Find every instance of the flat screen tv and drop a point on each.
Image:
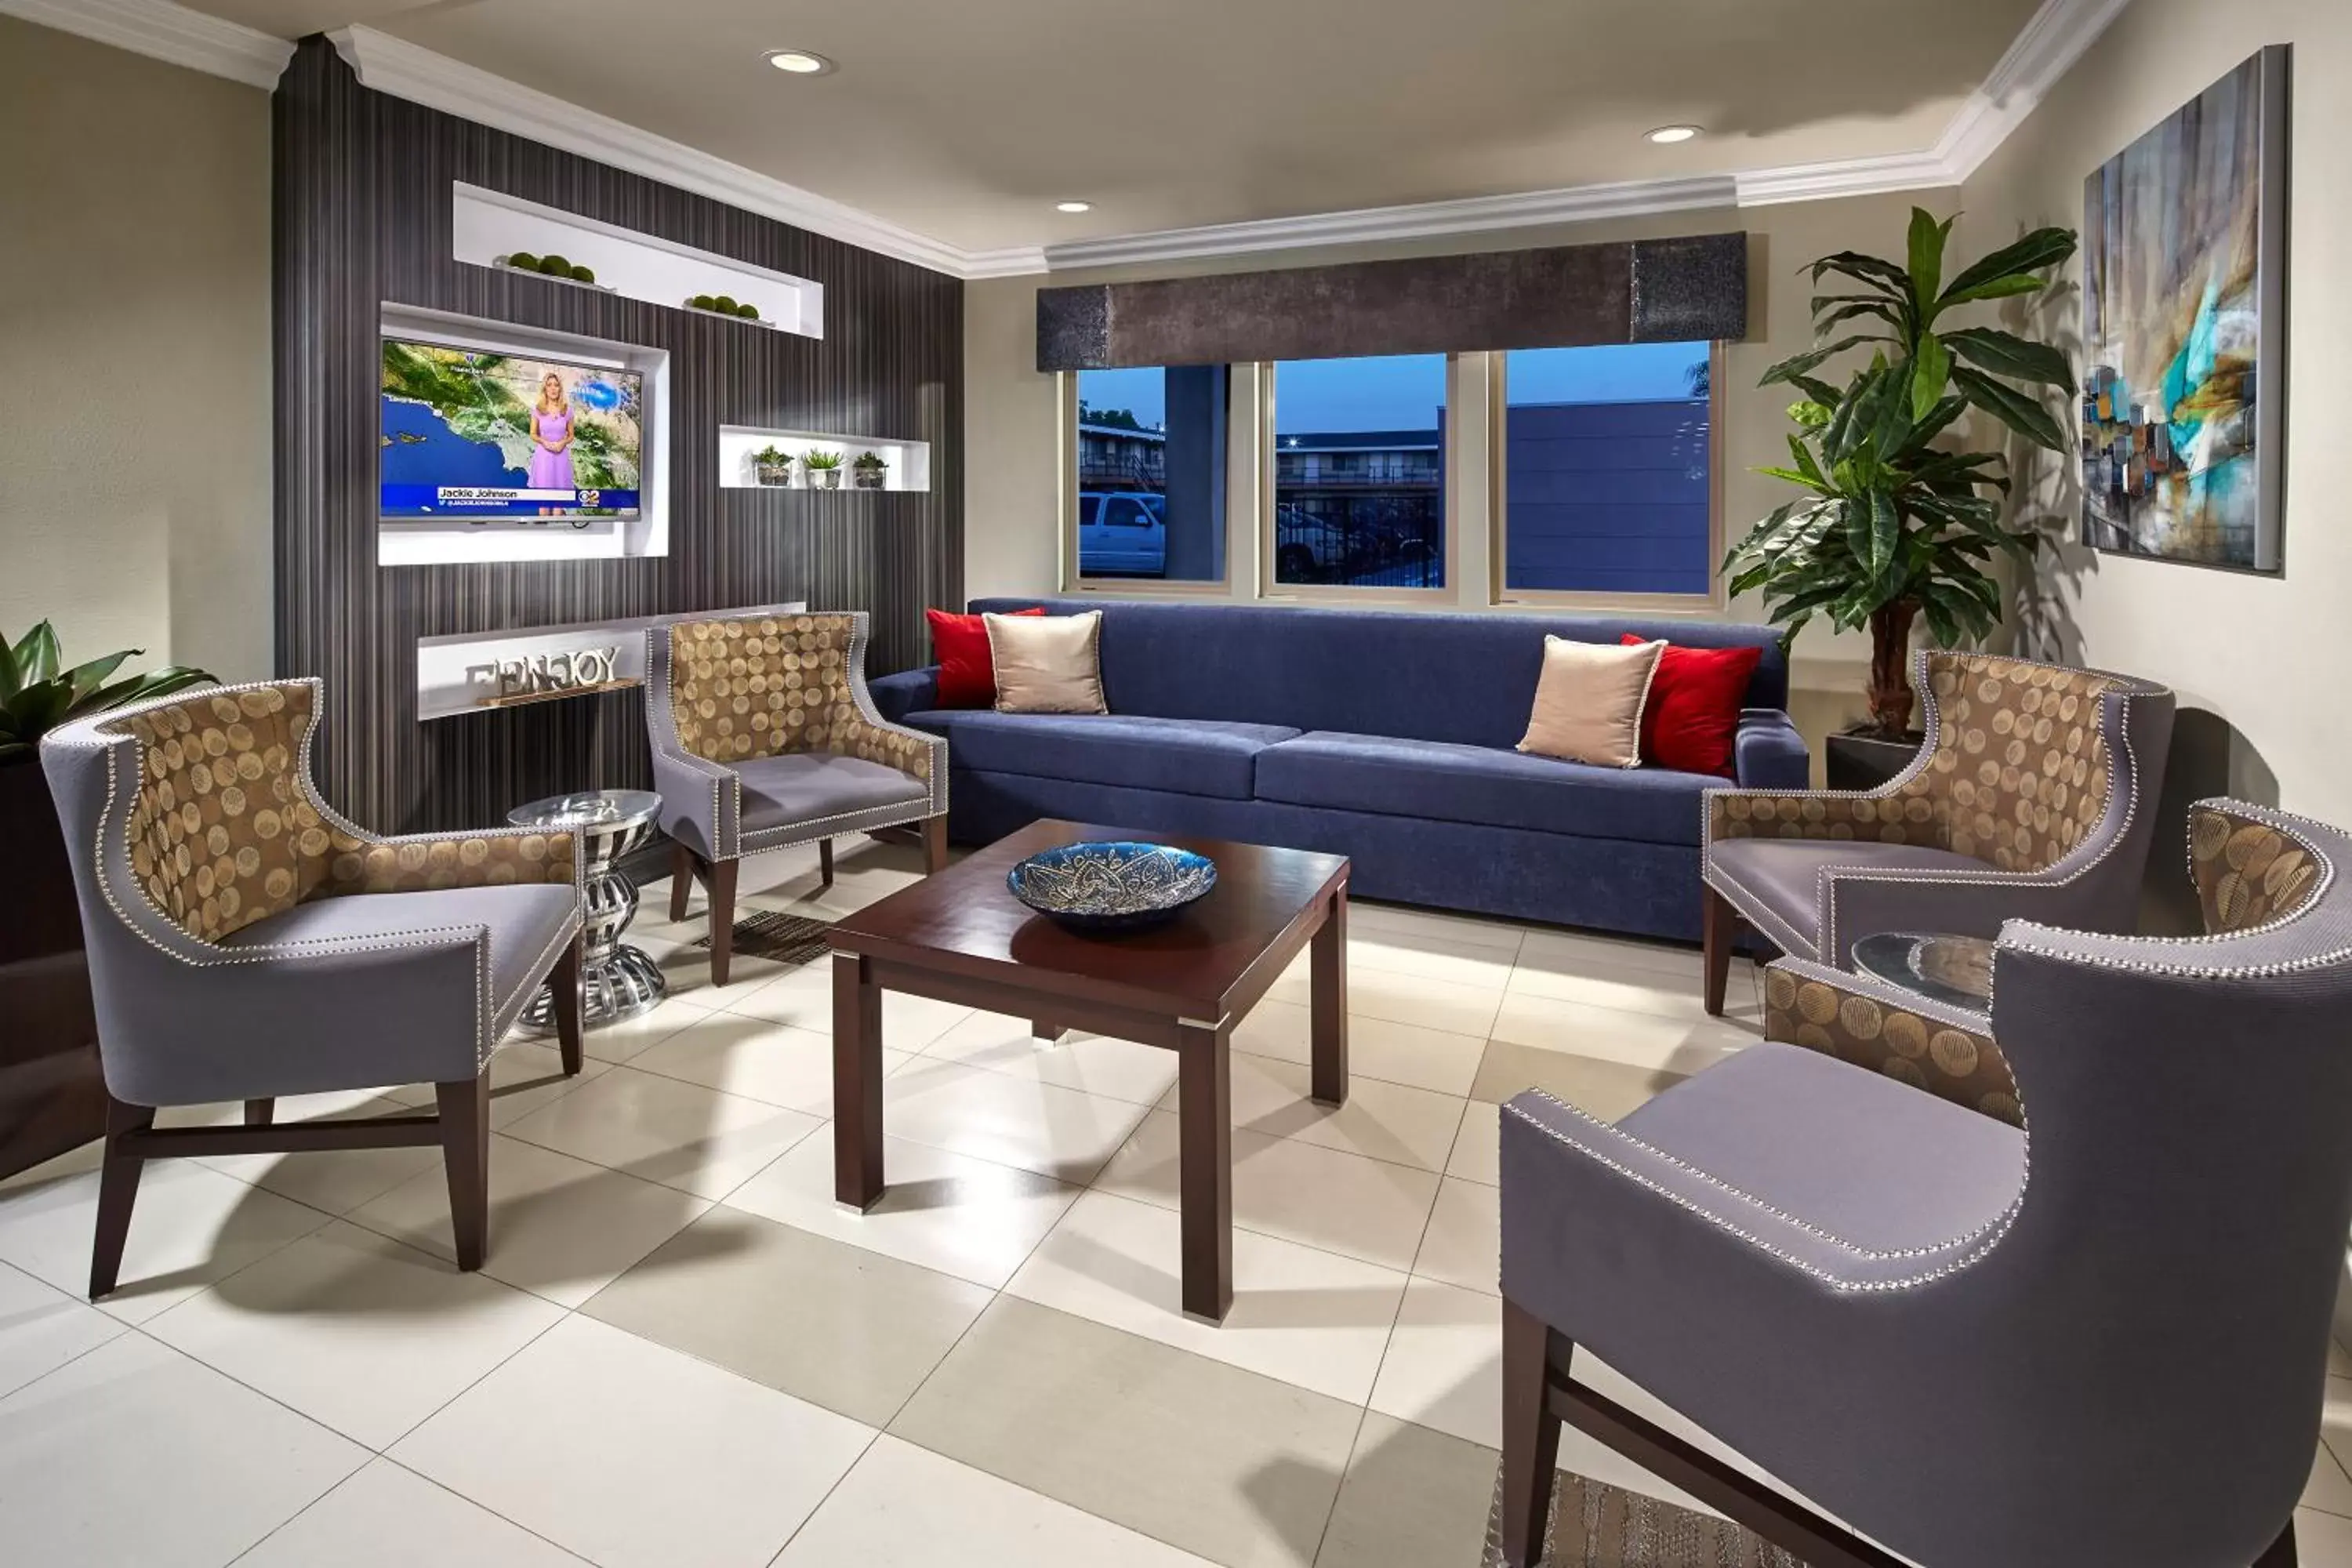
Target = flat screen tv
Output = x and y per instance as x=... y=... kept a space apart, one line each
x=482 y=438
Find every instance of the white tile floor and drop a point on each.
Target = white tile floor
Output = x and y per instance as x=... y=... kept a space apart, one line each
x=682 y=1353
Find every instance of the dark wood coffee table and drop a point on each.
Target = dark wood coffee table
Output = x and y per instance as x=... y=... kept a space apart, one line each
x=958 y=935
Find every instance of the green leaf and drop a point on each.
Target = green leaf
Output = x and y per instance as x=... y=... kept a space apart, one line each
x=1930 y=373
x=1795 y=477
x=1868 y=270
x=1937 y=420
x=84 y=678
x=1803 y=456
x=1927 y=252
x=2011 y=408
x=1882 y=309
x=1819 y=391
x=1788 y=369
x=10 y=680
x=2044 y=248
x=2006 y=354
x=1891 y=411
x=139 y=688
x=36 y=655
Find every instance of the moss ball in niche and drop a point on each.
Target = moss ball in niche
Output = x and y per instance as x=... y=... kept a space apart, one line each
x=725 y=303
x=555 y=265
x=523 y=260
x=748 y=312
x=702 y=302
x=583 y=274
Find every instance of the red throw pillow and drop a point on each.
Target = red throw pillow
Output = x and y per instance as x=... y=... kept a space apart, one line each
x=966 y=672
x=1693 y=713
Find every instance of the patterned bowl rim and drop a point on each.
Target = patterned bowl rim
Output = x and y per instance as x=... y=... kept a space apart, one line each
x=1193 y=860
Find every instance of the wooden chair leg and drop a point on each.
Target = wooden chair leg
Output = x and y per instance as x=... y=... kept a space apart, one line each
x=720 y=879
x=1530 y=1435
x=825 y=861
x=566 y=979
x=1718 y=928
x=681 y=879
x=118 y=1187
x=935 y=844
x=261 y=1112
x=2281 y=1551
x=465 y=1106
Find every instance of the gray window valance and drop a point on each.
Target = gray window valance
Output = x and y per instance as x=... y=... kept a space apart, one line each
x=1628 y=291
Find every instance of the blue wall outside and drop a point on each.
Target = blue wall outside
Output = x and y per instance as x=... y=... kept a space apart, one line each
x=1609 y=498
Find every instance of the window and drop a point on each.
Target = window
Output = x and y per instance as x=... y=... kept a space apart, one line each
x=1150 y=494
x=1359 y=476
x=1604 y=470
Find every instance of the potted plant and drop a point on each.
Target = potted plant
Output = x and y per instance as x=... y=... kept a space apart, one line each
x=773 y=465
x=869 y=471
x=50 y=1094
x=1893 y=526
x=823 y=468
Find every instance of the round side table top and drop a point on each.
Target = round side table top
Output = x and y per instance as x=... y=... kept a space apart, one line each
x=1957 y=970
x=594 y=808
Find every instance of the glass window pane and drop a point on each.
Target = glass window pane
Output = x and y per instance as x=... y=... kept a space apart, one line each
x=1359 y=471
x=1606 y=474
x=1152 y=474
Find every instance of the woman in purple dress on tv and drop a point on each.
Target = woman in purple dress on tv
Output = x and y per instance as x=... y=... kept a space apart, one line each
x=551 y=442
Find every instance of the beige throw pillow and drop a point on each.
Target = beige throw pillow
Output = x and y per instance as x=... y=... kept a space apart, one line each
x=1047 y=664
x=1588 y=702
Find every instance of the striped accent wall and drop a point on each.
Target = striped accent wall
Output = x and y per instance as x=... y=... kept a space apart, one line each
x=362 y=215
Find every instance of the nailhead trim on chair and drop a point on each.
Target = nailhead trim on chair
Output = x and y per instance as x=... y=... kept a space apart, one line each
x=1992 y=1233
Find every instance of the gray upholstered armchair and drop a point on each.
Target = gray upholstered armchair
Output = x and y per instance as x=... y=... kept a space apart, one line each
x=1854 y=1285
x=247 y=943
x=2031 y=799
x=763 y=736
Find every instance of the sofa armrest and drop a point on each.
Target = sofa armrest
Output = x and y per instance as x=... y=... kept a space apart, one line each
x=1769 y=753
x=908 y=691
x=1948 y=1051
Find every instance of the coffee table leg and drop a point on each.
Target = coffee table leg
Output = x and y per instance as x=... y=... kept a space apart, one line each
x=857 y=1083
x=1328 y=994
x=1040 y=1030
x=1205 y=1172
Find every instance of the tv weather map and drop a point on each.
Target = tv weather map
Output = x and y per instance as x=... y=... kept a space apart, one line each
x=483 y=437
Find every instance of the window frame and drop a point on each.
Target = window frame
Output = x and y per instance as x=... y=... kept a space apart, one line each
x=1498 y=511
x=1074 y=581
x=1446 y=595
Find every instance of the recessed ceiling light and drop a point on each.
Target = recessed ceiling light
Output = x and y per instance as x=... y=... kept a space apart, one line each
x=1074 y=206
x=1665 y=135
x=800 y=62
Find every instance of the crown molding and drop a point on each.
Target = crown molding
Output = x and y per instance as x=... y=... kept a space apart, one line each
x=2051 y=41
x=163 y=31
x=395 y=66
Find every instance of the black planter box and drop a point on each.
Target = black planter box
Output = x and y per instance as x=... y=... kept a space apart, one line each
x=1865 y=762
x=51 y=1097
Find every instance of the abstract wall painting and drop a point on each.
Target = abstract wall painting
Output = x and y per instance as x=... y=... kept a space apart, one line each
x=2184 y=312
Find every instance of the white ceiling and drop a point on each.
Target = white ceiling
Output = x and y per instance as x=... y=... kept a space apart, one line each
x=965 y=121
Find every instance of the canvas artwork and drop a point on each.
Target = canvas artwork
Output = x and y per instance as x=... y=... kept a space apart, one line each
x=2183 y=312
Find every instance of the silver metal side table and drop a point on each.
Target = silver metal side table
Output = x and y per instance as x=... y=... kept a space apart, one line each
x=617 y=981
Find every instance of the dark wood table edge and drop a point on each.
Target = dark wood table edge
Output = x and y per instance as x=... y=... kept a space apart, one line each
x=864 y=970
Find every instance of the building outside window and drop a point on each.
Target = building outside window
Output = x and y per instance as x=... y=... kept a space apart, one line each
x=1150 y=496
x=1359 y=472
x=1605 y=470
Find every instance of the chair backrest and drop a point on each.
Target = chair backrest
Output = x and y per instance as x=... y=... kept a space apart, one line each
x=2189 y=1108
x=731 y=689
x=2023 y=761
x=222 y=832
x=1465 y=679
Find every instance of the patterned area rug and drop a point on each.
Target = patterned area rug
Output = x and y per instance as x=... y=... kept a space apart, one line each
x=787 y=938
x=1598 y=1526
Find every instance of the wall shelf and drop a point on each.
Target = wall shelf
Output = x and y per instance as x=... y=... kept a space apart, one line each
x=458 y=674
x=487 y=225
x=910 y=461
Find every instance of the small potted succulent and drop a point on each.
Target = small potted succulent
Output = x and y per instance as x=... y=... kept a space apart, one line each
x=773 y=465
x=824 y=469
x=869 y=471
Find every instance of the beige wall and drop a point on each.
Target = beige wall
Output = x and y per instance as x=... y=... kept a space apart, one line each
x=2259 y=662
x=1012 y=419
x=134 y=354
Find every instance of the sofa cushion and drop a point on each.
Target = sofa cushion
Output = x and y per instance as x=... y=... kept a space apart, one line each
x=1191 y=756
x=1483 y=784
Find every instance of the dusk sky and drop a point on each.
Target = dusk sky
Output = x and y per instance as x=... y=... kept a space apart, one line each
x=1403 y=392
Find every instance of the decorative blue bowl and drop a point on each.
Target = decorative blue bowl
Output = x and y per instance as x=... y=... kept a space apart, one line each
x=1112 y=886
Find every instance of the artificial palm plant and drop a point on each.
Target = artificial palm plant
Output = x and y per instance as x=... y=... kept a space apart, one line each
x=1893 y=526
x=35 y=696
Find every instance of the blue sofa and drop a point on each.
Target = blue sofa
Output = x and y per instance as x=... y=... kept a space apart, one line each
x=1383 y=736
